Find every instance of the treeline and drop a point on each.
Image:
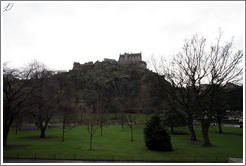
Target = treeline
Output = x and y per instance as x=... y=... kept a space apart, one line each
x=85 y=96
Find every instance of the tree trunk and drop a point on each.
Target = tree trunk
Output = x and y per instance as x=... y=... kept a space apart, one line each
x=220 y=127
x=101 y=126
x=5 y=135
x=6 y=127
x=43 y=128
x=63 y=130
x=131 y=132
x=16 y=129
x=206 y=141
x=192 y=131
x=42 y=135
x=91 y=139
x=172 y=129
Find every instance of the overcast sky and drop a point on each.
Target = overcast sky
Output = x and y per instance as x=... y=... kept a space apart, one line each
x=60 y=33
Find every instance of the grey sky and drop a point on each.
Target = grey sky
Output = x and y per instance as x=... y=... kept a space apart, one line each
x=60 y=33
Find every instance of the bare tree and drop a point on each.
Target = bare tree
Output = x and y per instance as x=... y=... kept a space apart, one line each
x=43 y=98
x=178 y=92
x=101 y=103
x=223 y=71
x=15 y=93
x=89 y=114
x=90 y=119
x=205 y=74
x=131 y=115
x=102 y=115
x=130 y=119
x=66 y=105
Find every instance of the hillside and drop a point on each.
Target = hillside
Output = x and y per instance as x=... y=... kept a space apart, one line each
x=126 y=86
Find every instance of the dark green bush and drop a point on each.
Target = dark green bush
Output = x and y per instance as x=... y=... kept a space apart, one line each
x=156 y=136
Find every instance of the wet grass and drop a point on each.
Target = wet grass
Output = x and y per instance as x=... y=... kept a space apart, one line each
x=115 y=144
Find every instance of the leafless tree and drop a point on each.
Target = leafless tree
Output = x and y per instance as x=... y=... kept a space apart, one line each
x=101 y=104
x=66 y=102
x=43 y=98
x=131 y=115
x=102 y=115
x=204 y=74
x=177 y=93
x=89 y=114
x=130 y=121
x=90 y=120
x=15 y=92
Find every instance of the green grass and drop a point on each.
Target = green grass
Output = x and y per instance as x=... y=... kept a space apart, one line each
x=115 y=144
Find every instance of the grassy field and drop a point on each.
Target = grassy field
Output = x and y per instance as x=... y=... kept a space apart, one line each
x=115 y=144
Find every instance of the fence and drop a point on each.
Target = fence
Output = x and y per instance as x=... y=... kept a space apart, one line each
x=140 y=158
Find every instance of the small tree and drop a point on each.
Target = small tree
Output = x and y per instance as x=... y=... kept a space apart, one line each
x=131 y=116
x=130 y=121
x=65 y=100
x=101 y=103
x=89 y=113
x=156 y=136
x=91 y=122
x=102 y=118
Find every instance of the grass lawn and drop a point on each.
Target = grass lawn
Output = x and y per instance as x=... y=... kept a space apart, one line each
x=115 y=144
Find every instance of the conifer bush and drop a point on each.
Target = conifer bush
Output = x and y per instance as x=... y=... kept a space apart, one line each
x=156 y=136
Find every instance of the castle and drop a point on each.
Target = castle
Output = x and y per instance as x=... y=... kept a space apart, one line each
x=135 y=59
x=126 y=58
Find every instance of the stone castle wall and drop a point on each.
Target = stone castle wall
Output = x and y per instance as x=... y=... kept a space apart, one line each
x=126 y=58
x=130 y=58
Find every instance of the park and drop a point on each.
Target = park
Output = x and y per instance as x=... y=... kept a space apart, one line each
x=115 y=145
x=100 y=102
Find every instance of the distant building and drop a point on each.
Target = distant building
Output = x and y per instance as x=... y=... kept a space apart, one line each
x=126 y=58
x=76 y=66
x=136 y=59
x=110 y=60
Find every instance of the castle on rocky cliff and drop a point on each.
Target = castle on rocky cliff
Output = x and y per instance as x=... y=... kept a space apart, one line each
x=134 y=59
